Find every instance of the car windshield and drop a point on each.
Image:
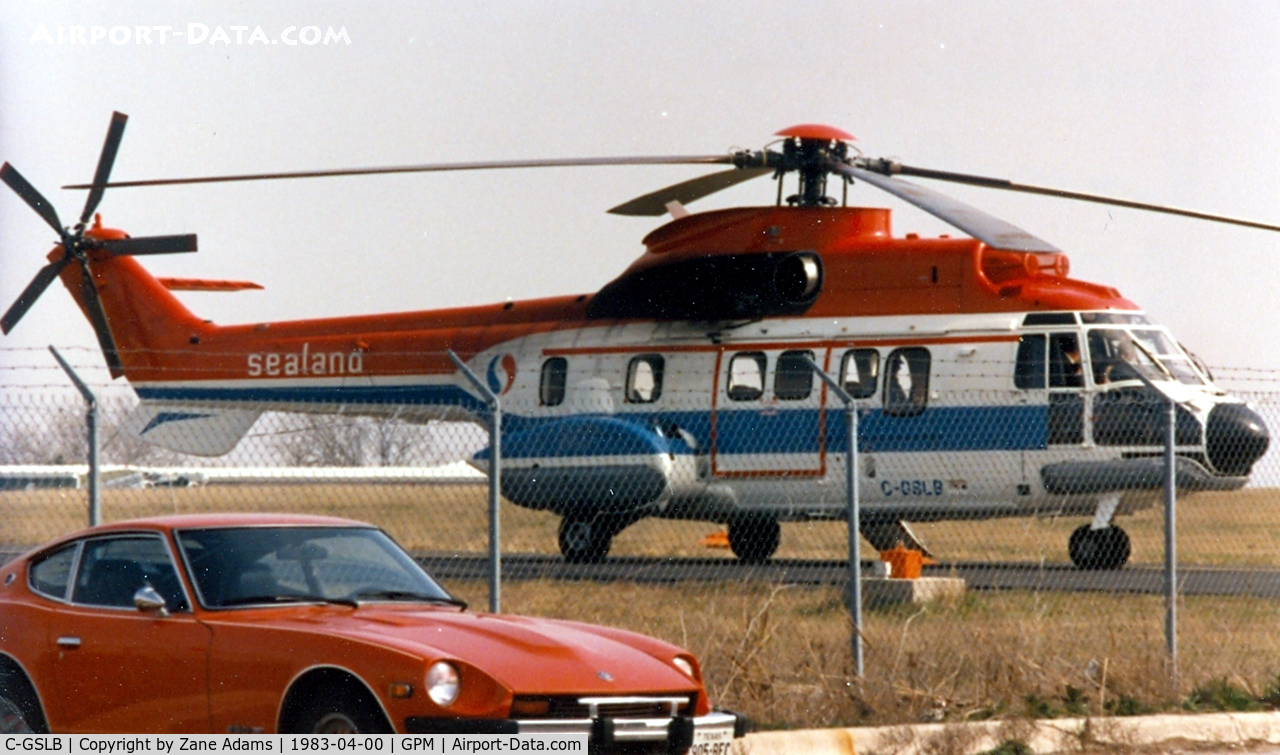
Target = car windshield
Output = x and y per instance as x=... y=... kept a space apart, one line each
x=239 y=566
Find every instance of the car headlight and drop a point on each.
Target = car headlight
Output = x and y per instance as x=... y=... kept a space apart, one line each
x=443 y=683
x=685 y=666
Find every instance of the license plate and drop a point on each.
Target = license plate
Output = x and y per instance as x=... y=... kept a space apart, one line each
x=712 y=742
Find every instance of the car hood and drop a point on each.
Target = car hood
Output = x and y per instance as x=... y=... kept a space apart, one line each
x=524 y=654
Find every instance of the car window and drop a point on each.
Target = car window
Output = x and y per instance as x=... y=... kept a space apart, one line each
x=113 y=569
x=793 y=380
x=644 y=379
x=51 y=575
x=746 y=376
x=261 y=565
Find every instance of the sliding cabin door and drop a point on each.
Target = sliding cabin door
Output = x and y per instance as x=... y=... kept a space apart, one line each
x=767 y=416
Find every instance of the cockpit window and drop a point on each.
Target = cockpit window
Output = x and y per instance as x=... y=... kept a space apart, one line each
x=1065 y=367
x=1114 y=318
x=1170 y=355
x=1118 y=354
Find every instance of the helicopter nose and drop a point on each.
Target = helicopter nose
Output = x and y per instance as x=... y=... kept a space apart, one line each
x=1235 y=437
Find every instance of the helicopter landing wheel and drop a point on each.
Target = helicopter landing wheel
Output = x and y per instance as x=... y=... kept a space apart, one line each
x=1091 y=549
x=585 y=540
x=753 y=539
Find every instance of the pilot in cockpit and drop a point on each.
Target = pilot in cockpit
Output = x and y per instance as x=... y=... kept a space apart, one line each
x=1114 y=356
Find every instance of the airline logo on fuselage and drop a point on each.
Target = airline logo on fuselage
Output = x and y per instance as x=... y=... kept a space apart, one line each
x=305 y=362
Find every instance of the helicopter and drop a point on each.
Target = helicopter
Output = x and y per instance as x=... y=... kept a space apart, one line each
x=988 y=382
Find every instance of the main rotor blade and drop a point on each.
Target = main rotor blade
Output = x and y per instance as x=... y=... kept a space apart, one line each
x=24 y=189
x=655 y=203
x=149 y=244
x=428 y=168
x=98 y=318
x=988 y=229
x=32 y=292
x=889 y=168
x=107 y=159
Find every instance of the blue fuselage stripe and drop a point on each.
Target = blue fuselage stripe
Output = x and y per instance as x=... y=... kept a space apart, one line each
x=771 y=430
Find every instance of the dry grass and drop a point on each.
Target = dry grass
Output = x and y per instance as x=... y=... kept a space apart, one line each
x=782 y=654
x=1238 y=529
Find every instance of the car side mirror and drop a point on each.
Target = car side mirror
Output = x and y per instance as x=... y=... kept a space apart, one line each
x=148 y=600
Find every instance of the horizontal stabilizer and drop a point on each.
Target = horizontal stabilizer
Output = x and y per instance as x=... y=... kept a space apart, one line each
x=190 y=430
x=203 y=284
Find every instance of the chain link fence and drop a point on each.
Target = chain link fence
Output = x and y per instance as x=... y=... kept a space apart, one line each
x=643 y=505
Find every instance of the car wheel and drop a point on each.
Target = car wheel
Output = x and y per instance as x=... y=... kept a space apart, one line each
x=339 y=710
x=19 y=711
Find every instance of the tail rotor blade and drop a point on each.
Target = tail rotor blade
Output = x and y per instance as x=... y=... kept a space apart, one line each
x=115 y=132
x=31 y=196
x=150 y=245
x=31 y=293
x=98 y=318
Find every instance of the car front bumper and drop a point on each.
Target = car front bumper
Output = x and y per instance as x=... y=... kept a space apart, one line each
x=704 y=735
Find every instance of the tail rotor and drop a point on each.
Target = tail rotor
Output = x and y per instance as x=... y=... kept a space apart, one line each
x=84 y=248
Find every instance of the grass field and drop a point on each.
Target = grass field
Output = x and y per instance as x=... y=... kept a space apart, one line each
x=781 y=654
x=1237 y=529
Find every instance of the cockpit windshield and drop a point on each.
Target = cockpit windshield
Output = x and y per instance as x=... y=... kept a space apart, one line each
x=1123 y=354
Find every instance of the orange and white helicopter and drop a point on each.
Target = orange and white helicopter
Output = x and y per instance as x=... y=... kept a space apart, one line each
x=989 y=382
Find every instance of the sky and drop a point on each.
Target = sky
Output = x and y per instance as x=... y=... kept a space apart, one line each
x=1175 y=103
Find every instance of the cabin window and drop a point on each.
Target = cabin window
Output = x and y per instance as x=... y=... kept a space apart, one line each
x=906 y=386
x=554 y=373
x=1028 y=373
x=51 y=574
x=794 y=378
x=746 y=376
x=644 y=379
x=859 y=372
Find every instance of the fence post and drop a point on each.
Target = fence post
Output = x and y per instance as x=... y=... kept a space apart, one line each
x=91 y=426
x=852 y=503
x=1171 y=544
x=495 y=483
x=1170 y=525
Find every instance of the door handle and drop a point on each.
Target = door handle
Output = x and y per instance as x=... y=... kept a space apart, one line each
x=68 y=642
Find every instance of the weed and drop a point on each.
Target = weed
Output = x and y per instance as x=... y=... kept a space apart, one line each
x=1127 y=705
x=1075 y=702
x=1220 y=694
x=1038 y=707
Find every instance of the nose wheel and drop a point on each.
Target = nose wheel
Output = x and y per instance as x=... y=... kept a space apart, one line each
x=1106 y=548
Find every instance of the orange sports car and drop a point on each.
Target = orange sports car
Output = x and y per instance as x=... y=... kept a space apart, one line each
x=266 y=623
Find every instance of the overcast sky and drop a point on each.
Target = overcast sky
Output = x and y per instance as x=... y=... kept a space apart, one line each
x=1175 y=103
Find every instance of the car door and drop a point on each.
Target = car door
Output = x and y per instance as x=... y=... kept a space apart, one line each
x=118 y=668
